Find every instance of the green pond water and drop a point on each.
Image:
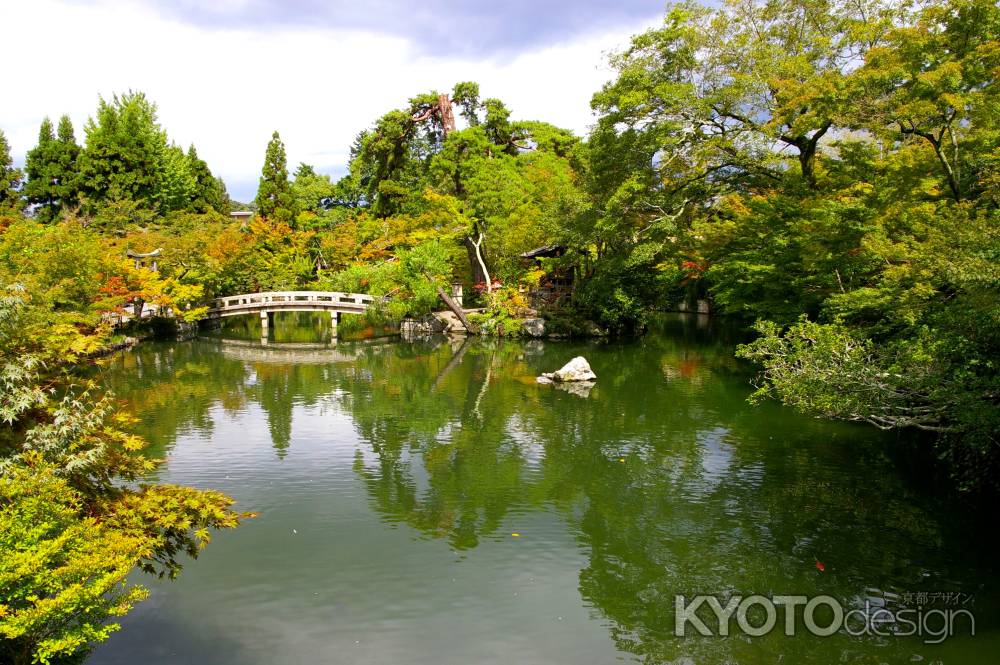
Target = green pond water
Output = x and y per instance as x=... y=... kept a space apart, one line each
x=391 y=477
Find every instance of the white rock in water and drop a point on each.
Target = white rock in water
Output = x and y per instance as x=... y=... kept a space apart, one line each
x=577 y=369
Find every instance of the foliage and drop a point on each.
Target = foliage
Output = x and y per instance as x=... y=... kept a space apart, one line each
x=271 y=257
x=505 y=309
x=511 y=186
x=10 y=179
x=127 y=283
x=208 y=191
x=129 y=163
x=832 y=160
x=425 y=269
x=62 y=573
x=125 y=153
x=51 y=169
x=409 y=281
x=275 y=200
x=932 y=81
x=314 y=192
x=57 y=268
x=823 y=369
x=75 y=514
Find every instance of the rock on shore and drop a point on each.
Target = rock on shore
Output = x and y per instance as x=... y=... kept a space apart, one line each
x=534 y=327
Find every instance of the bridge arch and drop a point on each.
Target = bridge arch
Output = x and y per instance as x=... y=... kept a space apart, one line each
x=266 y=303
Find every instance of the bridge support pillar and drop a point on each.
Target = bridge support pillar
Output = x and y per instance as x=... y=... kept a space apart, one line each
x=334 y=323
x=265 y=324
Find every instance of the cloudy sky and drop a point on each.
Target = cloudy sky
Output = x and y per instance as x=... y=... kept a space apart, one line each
x=226 y=73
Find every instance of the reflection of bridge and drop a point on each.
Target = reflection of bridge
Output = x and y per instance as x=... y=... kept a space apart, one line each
x=266 y=304
x=299 y=354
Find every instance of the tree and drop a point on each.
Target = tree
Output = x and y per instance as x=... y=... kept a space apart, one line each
x=62 y=575
x=128 y=163
x=722 y=100
x=128 y=285
x=498 y=126
x=390 y=161
x=65 y=132
x=466 y=95
x=75 y=516
x=68 y=156
x=37 y=189
x=209 y=192
x=10 y=179
x=125 y=154
x=275 y=199
x=827 y=160
x=710 y=111
x=177 y=187
x=313 y=192
x=932 y=80
x=51 y=168
x=512 y=185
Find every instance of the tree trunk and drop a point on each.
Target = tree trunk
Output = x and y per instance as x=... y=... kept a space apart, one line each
x=480 y=273
x=456 y=358
x=453 y=306
x=447 y=114
x=806 y=155
x=806 y=145
x=949 y=171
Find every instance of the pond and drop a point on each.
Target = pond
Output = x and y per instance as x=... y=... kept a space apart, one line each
x=428 y=502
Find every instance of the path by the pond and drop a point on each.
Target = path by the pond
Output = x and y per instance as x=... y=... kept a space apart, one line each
x=420 y=506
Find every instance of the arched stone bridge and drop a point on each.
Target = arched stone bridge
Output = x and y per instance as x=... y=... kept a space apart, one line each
x=267 y=303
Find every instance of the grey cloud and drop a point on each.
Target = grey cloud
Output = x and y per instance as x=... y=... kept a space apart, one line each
x=481 y=29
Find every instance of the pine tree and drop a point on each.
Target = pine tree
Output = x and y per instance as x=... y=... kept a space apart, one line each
x=68 y=189
x=313 y=192
x=37 y=168
x=176 y=189
x=209 y=192
x=51 y=170
x=275 y=200
x=10 y=179
x=45 y=133
x=65 y=132
x=126 y=153
x=225 y=202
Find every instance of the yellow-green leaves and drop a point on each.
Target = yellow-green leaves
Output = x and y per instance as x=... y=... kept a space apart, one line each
x=62 y=575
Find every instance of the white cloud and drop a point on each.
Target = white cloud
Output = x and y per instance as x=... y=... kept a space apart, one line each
x=227 y=90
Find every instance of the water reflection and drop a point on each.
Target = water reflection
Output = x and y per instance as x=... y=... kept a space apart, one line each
x=668 y=481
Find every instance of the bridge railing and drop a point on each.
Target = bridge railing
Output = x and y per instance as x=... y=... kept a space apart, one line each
x=291 y=298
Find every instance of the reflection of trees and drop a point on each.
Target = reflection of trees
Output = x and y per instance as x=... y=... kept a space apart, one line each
x=300 y=327
x=673 y=483
x=173 y=387
x=288 y=327
x=443 y=423
x=276 y=390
